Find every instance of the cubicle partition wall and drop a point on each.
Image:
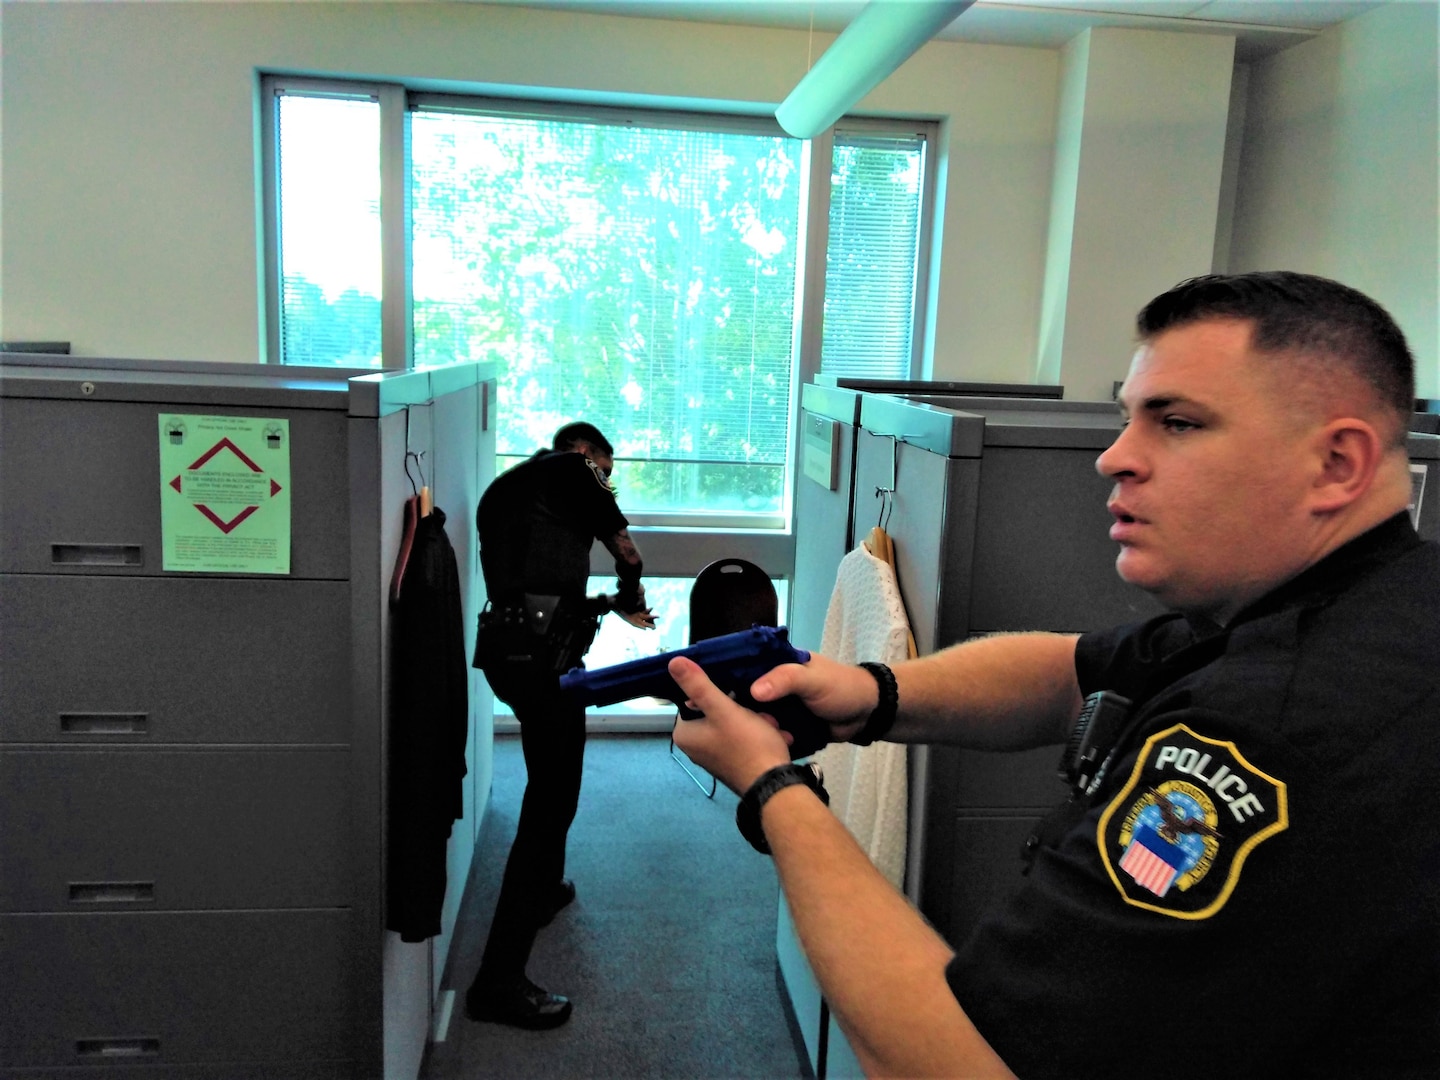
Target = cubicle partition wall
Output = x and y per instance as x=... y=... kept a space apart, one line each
x=826 y=525
x=192 y=758
x=999 y=522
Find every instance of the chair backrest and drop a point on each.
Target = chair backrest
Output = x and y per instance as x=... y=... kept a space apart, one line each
x=731 y=595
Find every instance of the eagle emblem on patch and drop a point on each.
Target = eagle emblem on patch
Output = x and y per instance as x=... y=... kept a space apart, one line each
x=1175 y=838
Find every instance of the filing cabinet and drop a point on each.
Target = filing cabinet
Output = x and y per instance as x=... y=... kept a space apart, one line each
x=192 y=763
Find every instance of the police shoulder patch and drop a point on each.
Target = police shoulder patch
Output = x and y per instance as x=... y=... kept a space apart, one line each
x=600 y=477
x=1177 y=835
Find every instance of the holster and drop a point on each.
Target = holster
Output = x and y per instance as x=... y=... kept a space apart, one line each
x=543 y=636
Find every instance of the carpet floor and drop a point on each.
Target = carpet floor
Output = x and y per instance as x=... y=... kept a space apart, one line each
x=668 y=952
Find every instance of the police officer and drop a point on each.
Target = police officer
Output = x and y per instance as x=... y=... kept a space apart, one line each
x=1244 y=881
x=536 y=523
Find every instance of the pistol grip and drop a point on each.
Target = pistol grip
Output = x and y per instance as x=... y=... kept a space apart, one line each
x=809 y=732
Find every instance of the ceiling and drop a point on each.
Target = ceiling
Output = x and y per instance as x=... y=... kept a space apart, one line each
x=1260 y=27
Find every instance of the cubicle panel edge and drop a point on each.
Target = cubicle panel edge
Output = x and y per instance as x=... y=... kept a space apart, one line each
x=824 y=507
x=1424 y=452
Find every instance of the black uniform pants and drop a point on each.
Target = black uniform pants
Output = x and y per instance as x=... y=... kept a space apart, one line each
x=552 y=737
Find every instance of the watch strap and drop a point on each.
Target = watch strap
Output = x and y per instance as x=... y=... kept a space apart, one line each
x=747 y=813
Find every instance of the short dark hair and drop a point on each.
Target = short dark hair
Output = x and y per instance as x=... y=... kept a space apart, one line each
x=570 y=434
x=1301 y=313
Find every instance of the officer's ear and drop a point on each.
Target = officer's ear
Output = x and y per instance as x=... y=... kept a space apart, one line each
x=1348 y=452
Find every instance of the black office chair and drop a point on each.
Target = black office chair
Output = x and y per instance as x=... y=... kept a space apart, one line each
x=728 y=595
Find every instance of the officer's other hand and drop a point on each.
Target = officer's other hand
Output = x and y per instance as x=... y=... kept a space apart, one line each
x=730 y=741
x=841 y=694
x=630 y=606
x=644 y=618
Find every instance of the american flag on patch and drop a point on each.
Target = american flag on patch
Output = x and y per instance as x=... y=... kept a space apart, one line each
x=1152 y=861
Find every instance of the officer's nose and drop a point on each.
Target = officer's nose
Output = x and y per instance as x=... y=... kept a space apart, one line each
x=1122 y=457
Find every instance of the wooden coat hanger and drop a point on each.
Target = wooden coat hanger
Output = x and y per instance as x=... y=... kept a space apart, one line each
x=413 y=507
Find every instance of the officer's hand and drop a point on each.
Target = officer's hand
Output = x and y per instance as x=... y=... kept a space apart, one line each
x=730 y=741
x=644 y=618
x=843 y=695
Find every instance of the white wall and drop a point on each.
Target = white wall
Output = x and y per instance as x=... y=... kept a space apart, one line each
x=128 y=170
x=129 y=182
x=1136 y=191
x=1340 y=168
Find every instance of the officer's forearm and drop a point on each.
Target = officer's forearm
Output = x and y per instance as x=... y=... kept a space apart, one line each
x=628 y=564
x=879 y=964
x=1006 y=692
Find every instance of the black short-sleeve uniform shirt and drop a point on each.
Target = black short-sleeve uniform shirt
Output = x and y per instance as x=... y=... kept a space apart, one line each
x=537 y=522
x=1252 y=889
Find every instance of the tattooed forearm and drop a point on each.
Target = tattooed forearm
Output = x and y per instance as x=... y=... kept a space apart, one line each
x=624 y=549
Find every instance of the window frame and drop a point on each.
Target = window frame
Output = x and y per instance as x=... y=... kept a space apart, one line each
x=397 y=101
x=926 y=132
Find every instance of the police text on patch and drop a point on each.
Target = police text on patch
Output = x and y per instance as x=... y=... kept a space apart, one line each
x=1229 y=786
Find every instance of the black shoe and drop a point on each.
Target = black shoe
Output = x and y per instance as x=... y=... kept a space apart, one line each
x=521 y=1004
x=564 y=895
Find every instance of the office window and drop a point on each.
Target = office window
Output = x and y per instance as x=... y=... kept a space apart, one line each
x=877 y=188
x=636 y=270
x=639 y=276
x=328 y=229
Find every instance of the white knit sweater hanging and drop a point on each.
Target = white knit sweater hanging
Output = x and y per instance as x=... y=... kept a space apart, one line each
x=868 y=784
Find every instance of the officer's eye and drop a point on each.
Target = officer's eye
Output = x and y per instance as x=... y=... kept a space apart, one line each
x=1179 y=424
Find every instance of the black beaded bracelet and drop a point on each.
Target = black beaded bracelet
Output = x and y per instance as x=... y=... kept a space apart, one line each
x=883 y=718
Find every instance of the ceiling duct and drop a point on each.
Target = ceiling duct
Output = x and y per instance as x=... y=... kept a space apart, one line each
x=879 y=40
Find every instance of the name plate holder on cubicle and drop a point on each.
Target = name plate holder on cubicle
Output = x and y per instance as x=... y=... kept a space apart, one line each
x=820 y=450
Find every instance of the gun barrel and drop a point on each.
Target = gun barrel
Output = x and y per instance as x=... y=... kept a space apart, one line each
x=730 y=659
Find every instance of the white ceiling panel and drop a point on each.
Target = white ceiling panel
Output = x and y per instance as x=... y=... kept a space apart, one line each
x=1169 y=8
x=1308 y=16
x=1260 y=27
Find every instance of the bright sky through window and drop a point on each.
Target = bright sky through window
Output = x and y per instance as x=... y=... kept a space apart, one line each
x=330 y=173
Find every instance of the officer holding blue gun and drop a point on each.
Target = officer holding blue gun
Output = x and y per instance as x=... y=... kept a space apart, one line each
x=536 y=523
x=1244 y=882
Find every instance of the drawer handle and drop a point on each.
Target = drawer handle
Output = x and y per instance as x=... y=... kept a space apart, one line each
x=97 y=554
x=104 y=723
x=114 y=1048
x=112 y=892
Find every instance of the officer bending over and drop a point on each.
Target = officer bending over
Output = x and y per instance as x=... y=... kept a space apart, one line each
x=537 y=522
x=1244 y=883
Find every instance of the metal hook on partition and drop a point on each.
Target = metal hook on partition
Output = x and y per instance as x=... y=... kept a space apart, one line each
x=887 y=504
x=407 y=408
x=419 y=467
x=886 y=495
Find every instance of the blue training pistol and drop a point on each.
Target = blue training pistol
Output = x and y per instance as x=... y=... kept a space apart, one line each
x=732 y=661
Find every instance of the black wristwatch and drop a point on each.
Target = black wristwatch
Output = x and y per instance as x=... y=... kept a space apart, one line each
x=747 y=813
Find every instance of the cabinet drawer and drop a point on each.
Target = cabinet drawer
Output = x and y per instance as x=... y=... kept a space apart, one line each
x=81 y=487
x=173 y=660
x=159 y=989
x=133 y=829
